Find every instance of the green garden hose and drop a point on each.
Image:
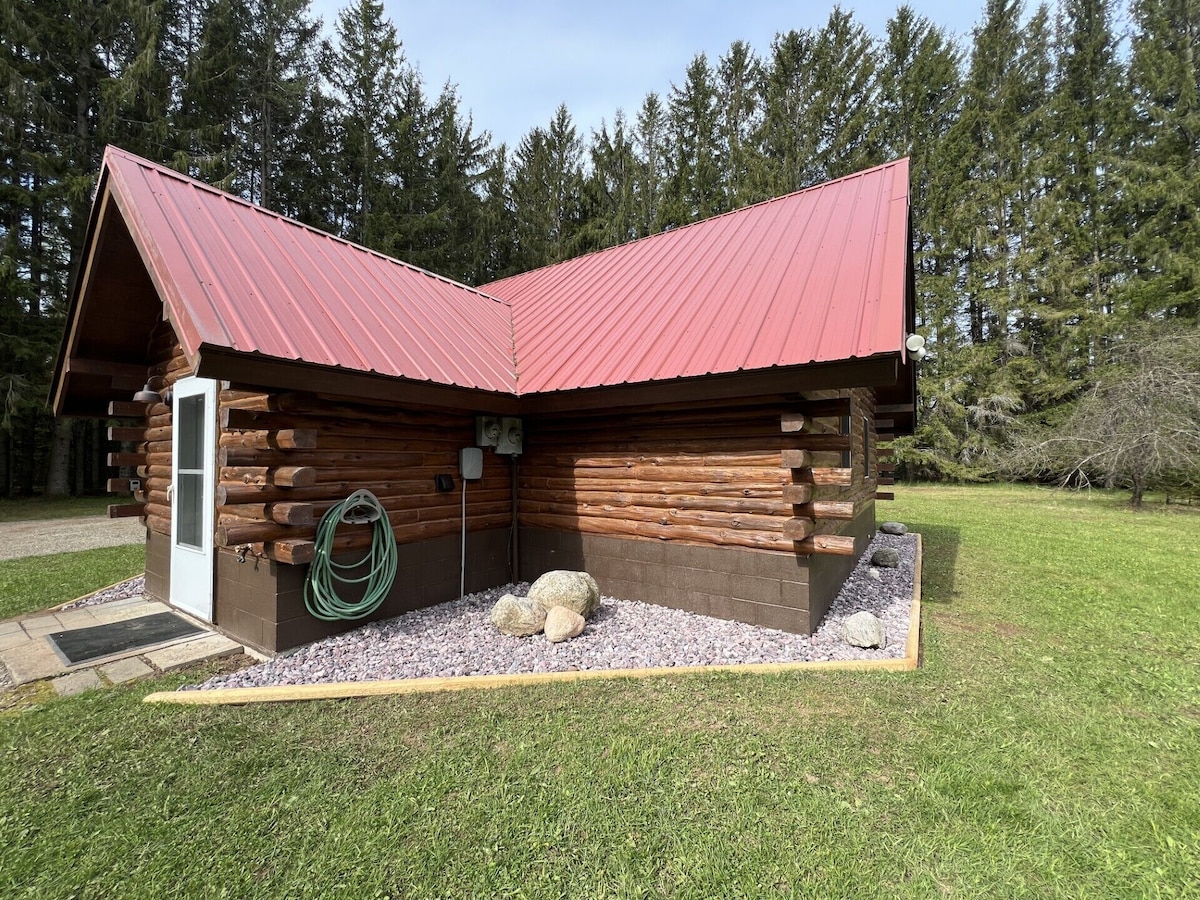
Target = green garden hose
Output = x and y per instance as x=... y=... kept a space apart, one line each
x=321 y=588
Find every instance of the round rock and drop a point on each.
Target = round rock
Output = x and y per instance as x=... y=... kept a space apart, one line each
x=864 y=629
x=894 y=528
x=518 y=616
x=562 y=624
x=886 y=558
x=577 y=591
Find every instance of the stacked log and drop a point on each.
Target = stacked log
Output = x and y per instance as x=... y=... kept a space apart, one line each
x=285 y=459
x=728 y=476
x=829 y=430
x=149 y=429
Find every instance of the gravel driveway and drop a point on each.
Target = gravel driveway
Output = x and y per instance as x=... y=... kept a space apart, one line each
x=46 y=536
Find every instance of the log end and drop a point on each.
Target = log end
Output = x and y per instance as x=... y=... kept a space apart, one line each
x=797 y=528
x=291 y=552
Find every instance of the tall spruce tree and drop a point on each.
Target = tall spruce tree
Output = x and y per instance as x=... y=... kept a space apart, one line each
x=214 y=98
x=282 y=41
x=1075 y=244
x=694 y=184
x=364 y=71
x=1160 y=179
x=609 y=190
x=651 y=143
x=739 y=108
x=546 y=185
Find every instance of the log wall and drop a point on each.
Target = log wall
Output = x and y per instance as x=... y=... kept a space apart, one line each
x=285 y=459
x=765 y=476
x=754 y=512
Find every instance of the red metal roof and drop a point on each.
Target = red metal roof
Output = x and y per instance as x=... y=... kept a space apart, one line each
x=814 y=276
x=240 y=277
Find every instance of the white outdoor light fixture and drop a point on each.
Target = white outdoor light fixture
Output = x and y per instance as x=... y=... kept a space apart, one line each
x=915 y=345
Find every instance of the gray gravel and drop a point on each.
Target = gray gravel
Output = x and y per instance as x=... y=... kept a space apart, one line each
x=456 y=638
x=134 y=587
x=46 y=536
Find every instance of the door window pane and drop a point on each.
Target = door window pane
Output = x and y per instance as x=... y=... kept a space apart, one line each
x=189 y=498
x=189 y=510
x=190 y=426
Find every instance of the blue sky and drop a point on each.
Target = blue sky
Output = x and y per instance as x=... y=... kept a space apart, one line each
x=514 y=62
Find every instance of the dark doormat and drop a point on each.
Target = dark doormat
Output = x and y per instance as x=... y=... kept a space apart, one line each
x=81 y=644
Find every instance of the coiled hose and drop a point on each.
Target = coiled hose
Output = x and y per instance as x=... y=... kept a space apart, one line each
x=321 y=587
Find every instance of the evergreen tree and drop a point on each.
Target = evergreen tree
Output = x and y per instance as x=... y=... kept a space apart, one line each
x=214 y=98
x=821 y=91
x=281 y=41
x=789 y=144
x=1160 y=178
x=495 y=238
x=459 y=167
x=365 y=71
x=609 y=190
x=651 y=148
x=1075 y=245
x=547 y=180
x=740 y=77
x=694 y=185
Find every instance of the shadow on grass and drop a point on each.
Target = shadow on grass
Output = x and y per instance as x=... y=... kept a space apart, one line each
x=940 y=561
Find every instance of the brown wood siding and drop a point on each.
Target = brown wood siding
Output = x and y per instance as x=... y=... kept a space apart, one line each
x=167 y=364
x=708 y=477
x=860 y=492
x=286 y=458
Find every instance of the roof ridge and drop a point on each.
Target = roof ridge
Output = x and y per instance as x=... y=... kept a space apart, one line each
x=678 y=228
x=114 y=150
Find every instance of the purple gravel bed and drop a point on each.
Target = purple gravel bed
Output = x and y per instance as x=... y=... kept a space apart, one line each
x=457 y=638
x=134 y=587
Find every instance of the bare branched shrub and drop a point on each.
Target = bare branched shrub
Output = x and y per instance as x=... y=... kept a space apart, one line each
x=1138 y=428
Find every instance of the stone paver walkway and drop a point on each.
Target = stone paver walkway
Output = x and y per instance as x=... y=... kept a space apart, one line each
x=29 y=655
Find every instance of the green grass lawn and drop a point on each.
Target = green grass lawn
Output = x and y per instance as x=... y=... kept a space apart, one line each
x=37 y=582
x=1050 y=747
x=24 y=509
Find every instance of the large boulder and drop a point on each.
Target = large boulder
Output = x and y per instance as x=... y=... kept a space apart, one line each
x=863 y=629
x=562 y=624
x=577 y=591
x=518 y=616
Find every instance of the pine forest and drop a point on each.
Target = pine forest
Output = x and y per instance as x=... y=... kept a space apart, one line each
x=1055 y=193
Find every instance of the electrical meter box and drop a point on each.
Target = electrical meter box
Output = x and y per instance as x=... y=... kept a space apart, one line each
x=487 y=431
x=512 y=440
x=470 y=463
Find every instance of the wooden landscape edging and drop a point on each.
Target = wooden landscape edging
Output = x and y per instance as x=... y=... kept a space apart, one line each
x=349 y=689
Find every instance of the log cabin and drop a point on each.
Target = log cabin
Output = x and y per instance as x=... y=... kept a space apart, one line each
x=694 y=417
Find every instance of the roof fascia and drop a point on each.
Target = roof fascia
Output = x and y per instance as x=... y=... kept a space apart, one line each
x=79 y=284
x=256 y=370
x=874 y=371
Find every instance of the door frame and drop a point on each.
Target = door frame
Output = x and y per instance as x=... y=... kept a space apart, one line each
x=192 y=566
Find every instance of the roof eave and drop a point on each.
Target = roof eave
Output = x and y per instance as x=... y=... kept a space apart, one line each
x=260 y=371
x=881 y=369
x=79 y=279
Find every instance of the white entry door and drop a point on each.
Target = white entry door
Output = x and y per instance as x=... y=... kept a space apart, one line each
x=192 y=495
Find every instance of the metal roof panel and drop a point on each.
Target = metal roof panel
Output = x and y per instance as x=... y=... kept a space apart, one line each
x=814 y=276
x=244 y=278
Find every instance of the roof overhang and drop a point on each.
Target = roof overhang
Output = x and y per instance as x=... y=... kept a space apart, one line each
x=876 y=371
x=123 y=286
x=254 y=371
x=113 y=305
